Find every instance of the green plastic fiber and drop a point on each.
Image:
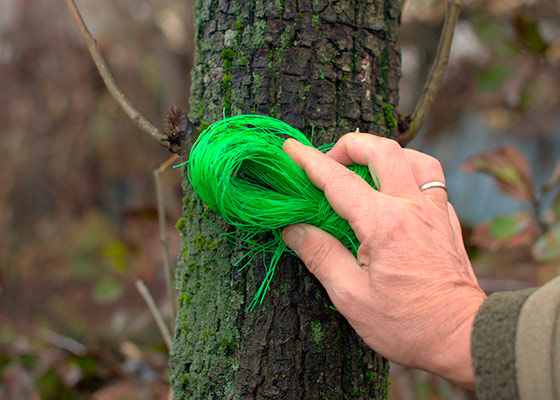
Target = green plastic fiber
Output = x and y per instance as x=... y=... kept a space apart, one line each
x=238 y=169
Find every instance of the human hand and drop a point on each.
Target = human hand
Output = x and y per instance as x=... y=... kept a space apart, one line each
x=411 y=294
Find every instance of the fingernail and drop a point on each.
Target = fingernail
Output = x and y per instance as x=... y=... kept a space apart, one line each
x=292 y=236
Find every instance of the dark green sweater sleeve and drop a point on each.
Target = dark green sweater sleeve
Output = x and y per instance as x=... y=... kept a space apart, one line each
x=515 y=345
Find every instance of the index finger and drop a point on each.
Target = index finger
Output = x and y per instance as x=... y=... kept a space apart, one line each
x=349 y=195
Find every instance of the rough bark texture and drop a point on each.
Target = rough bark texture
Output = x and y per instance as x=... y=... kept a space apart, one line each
x=331 y=65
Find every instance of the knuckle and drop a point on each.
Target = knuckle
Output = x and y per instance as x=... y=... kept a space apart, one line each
x=347 y=138
x=389 y=146
x=433 y=165
x=395 y=224
x=424 y=162
x=351 y=135
x=340 y=178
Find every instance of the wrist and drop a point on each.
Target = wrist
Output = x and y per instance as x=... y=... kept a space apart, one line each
x=452 y=359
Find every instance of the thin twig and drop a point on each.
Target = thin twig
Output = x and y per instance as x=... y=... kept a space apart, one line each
x=167 y=163
x=163 y=233
x=63 y=342
x=436 y=74
x=105 y=73
x=163 y=329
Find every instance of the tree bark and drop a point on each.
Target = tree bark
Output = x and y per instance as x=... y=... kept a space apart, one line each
x=330 y=65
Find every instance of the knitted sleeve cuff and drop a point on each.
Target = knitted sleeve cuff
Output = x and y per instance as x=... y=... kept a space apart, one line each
x=493 y=345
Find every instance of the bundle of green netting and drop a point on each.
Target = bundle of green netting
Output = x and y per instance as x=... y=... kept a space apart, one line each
x=238 y=169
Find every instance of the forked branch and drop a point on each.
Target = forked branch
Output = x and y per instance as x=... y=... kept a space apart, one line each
x=436 y=74
x=105 y=73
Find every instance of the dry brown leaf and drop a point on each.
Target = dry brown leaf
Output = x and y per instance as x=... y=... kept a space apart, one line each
x=508 y=167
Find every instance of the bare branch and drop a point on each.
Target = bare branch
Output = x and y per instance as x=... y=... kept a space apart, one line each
x=436 y=74
x=167 y=163
x=105 y=73
x=163 y=329
x=163 y=233
x=63 y=342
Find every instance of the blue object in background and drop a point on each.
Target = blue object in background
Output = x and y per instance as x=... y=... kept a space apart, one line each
x=476 y=196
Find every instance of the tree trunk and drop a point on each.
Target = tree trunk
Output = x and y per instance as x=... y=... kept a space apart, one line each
x=331 y=65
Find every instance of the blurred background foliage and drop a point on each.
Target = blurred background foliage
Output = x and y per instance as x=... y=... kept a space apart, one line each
x=78 y=221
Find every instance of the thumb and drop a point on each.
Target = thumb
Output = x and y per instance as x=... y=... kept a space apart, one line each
x=326 y=258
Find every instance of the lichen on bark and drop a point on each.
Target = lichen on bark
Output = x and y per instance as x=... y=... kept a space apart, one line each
x=328 y=65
